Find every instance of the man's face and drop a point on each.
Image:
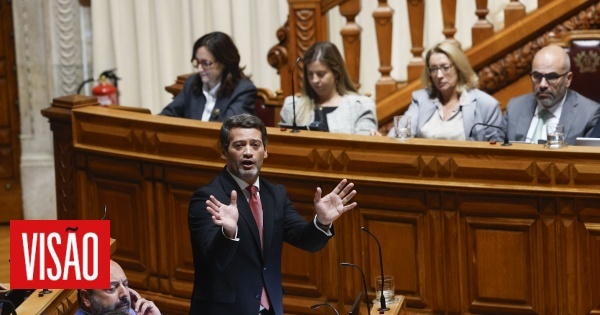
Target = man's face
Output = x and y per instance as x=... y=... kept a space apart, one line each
x=245 y=153
x=550 y=77
x=114 y=298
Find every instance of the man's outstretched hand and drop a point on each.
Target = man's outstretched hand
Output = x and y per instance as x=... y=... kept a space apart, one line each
x=224 y=215
x=331 y=207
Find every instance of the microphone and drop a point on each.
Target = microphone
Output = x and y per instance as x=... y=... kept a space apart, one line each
x=364 y=284
x=294 y=126
x=314 y=307
x=382 y=298
x=506 y=143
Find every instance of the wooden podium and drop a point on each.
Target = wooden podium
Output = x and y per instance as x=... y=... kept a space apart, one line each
x=465 y=227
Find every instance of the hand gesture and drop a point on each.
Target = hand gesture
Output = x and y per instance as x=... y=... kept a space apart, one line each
x=224 y=215
x=142 y=306
x=331 y=207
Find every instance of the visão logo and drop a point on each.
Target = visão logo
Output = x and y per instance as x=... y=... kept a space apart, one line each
x=60 y=254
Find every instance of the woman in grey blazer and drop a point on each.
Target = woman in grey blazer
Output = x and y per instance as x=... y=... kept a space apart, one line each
x=329 y=100
x=451 y=107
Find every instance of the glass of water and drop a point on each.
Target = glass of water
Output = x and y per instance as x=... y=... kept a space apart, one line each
x=389 y=289
x=555 y=136
x=402 y=126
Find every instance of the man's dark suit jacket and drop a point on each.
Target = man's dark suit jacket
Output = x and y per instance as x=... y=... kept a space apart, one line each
x=596 y=132
x=188 y=104
x=229 y=275
x=579 y=115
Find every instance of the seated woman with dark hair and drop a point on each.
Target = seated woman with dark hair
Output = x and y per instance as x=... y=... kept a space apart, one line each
x=221 y=89
x=451 y=106
x=329 y=97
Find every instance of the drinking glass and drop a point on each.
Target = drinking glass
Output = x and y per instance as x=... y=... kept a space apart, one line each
x=402 y=126
x=389 y=289
x=555 y=136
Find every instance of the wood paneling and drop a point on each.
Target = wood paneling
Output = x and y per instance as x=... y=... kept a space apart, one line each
x=10 y=145
x=465 y=227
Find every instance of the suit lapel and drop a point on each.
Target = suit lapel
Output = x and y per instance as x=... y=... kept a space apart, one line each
x=468 y=113
x=267 y=201
x=427 y=110
x=338 y=119
x=244 y=210
x=219 y=109
x=524 y=120
x=569 y=111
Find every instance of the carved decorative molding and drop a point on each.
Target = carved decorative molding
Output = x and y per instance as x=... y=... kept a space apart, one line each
x=517 y=63
x=408 y=164
x=587 y=61
x=25 y=60
x=305 y=23
x=278 y=54
x=69 y=45
x=65 y=181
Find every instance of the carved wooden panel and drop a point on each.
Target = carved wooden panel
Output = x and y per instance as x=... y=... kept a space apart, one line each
x=118 y=185
x=504 y=268
x=179 y=185
x=405 y=241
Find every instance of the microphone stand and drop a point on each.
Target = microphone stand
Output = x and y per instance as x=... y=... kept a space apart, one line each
x=314 y=307
x=364 y=284
x=506 y=143
x=294 y=126
x=382 y=298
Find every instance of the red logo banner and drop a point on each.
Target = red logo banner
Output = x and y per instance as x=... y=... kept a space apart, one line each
x=59 y=254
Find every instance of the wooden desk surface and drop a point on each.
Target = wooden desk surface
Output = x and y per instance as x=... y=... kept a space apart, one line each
x=58 y=302
x=398 y=308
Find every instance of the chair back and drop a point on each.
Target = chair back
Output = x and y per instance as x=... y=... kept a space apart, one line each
x=583 y=48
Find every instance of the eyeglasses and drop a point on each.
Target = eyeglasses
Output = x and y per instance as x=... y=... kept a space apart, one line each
x=551 y=78
x=445 y=69
x=206 y=64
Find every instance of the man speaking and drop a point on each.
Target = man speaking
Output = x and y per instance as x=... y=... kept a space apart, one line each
x=238 y=223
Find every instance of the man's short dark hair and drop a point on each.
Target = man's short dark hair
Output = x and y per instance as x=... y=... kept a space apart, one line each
x=242 y=121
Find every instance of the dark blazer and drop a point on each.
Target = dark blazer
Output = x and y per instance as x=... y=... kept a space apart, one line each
x=596 y=132
x=188 y=104
x=229 y=275
x=579 y=115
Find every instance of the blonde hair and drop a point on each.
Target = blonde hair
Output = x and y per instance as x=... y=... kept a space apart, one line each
x=467 y=78
x=329 y=55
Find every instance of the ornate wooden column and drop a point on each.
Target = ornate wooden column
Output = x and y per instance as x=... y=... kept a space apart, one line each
x=449 y=16
x=513 y=12
x=383 y=27
x=416 y=18
x=59 y=116
x=307 y=25
x=482 y=29
x=351 y=36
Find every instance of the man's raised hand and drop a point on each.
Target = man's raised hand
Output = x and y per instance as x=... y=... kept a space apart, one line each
x=331 y=207
x=224 y=215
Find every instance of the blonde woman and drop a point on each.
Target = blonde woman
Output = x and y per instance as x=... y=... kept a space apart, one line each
x=450 y=106
x=329 y=100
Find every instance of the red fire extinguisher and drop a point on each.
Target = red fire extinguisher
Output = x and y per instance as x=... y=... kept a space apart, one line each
x=105 y=92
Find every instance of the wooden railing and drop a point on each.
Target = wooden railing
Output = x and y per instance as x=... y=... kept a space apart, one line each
x=502 y=59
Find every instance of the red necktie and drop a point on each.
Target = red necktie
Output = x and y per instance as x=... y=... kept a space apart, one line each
x=256 y=208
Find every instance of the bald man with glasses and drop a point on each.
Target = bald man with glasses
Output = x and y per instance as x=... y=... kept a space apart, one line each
x=552 y=101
